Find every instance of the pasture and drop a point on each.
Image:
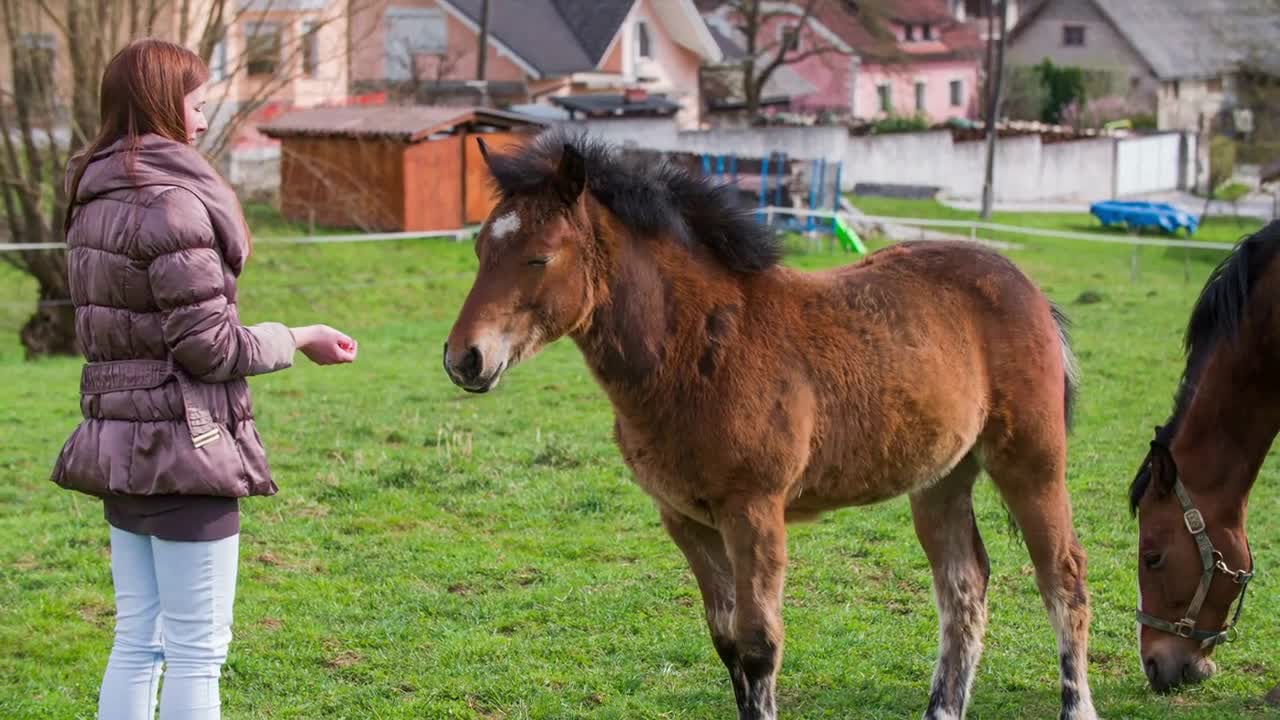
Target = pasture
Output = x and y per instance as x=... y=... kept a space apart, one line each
x=433 y=554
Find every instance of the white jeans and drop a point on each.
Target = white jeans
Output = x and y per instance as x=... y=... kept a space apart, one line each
x=173 y=605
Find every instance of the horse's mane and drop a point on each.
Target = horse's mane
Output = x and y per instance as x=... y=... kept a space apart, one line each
x=1216 y=318
x=650 y=198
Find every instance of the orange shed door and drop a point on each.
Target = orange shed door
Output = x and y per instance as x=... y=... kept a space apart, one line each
x=433 y=185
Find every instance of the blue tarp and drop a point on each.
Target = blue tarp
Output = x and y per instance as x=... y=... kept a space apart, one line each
x=1141 y=215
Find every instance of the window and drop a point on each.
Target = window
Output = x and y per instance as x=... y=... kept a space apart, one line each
x=644 y=44
x=262 y=48
x=1177 y=89
x=789 y=37
x=909 y=32
x=920 y=96
x=926 y=32
x=1214 y=85
x=33 y=68
x=1073 y=35
x=412 y=33
x=310 y=49
x=886 y=97
x=957 y=93
x=218 y=61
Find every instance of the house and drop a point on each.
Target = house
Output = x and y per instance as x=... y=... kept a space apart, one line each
x=286 y=51
x=552 y=48
x=1181 y=57
x=920 y=61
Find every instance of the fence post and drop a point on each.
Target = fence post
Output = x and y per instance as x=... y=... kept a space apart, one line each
x=764 y=182
x=835 y=202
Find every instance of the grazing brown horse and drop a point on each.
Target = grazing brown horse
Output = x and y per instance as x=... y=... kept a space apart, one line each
x=747 y=394
x=1191 y=492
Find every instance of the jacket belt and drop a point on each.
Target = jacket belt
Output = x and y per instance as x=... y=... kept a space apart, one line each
x=124 y=375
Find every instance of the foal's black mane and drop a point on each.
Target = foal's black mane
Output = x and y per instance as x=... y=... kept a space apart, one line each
x=650 y=198
x=1215 y=318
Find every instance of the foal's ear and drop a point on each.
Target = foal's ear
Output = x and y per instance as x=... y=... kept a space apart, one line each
x=484 y=151
x=571 y=175
x=1164 y=471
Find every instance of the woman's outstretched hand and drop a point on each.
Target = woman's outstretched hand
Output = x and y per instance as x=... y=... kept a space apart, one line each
x=325 y=346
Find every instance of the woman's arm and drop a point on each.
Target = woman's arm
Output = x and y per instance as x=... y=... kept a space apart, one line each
x=199 y=327
x=188 y=284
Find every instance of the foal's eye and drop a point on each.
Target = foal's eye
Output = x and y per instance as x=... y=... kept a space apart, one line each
x=539 y=261
x=1153 y=560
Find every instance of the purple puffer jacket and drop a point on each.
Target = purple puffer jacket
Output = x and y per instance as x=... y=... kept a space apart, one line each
x=155 y=247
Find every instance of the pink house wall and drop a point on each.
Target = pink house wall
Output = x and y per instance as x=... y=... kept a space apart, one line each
x=368 y=47
x=833 y=74
x=675 y=67
x=936 y=76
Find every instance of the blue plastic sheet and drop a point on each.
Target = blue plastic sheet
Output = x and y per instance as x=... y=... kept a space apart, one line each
x=1143 y=215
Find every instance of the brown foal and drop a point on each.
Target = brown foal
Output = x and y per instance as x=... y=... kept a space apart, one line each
x=1191 y=492
x=747 y=394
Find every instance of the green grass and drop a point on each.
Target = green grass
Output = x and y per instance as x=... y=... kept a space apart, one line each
x=437 y=555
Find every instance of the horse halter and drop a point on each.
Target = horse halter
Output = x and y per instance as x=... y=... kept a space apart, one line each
x=1212 y=562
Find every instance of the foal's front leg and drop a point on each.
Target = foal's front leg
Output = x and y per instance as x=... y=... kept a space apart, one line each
x=755 y=537
x=704 y=549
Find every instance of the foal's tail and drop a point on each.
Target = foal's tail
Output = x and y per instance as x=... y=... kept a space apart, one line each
x=1071 y=379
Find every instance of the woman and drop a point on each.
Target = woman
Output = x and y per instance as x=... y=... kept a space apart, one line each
x=156 y=241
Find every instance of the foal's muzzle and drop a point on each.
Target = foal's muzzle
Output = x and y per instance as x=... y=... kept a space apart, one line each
x=466 y=368
x=1166 y=673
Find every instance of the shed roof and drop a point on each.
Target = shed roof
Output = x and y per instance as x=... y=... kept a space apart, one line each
x=406 y=123
x=616 y=105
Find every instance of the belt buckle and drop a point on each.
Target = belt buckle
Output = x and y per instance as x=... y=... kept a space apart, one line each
x=206 y=438
x=1194 y=521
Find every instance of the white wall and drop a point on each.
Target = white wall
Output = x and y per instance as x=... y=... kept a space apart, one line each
x=1026 y=169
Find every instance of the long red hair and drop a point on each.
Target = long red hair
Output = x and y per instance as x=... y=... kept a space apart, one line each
x=143 y=92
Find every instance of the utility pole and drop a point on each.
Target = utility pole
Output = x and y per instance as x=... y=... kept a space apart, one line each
x=993 y=112
x=483 y=55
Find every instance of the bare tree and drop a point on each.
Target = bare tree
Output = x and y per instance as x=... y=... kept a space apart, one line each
x=47 y=114
x=799 y=39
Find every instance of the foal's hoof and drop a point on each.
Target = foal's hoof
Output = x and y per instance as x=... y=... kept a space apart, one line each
x=1273 y=697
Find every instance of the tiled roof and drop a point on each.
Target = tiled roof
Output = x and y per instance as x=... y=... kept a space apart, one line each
x=407 y=123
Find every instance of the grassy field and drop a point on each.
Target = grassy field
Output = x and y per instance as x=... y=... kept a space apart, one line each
x=438 y=555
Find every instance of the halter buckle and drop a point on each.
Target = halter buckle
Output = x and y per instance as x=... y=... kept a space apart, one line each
x=1242 y=577
x=1194 y=521
x=1185 y=628
x=1231 y=634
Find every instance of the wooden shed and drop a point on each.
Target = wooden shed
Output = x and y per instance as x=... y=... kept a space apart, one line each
x=391 y=168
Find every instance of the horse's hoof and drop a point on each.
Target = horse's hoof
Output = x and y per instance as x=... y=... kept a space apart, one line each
x=1273 y=697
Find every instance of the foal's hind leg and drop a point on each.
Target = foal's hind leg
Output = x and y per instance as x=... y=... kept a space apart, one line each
x=948 y=532
x=703 y=547
x=1032 y=480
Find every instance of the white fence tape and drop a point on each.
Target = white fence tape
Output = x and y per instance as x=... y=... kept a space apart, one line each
x=456 y=235
x=771 y=211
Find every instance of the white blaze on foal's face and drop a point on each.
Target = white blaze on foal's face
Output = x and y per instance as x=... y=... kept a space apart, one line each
x=505 y=226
